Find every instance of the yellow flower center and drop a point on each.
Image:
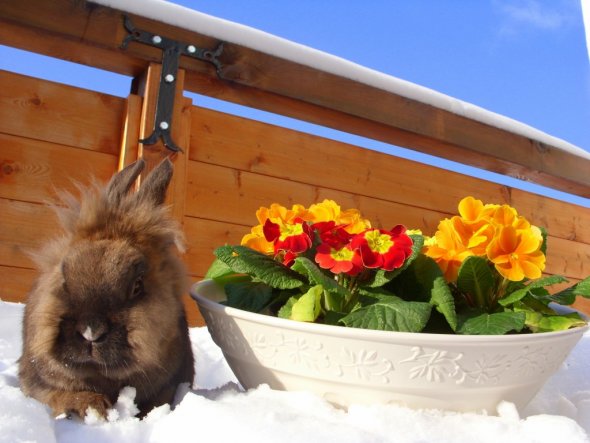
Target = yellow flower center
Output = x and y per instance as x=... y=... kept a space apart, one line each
x=343 y=254
x=378 y=242
x=291 y=230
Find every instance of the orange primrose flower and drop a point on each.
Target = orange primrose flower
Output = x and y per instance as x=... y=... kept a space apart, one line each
x=329 y=210
x=517 y=253
x=448 y=247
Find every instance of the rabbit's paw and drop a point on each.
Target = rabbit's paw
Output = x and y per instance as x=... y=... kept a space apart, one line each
x=79 y=403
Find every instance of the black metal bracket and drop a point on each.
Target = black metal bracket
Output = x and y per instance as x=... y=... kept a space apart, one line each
x=172 y=50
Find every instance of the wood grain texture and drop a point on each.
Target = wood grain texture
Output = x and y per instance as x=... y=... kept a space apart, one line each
x=247 y=145
x=34 y=171
x=61 y=114
x=15 y=283
x=260 y=77
x=25 y=228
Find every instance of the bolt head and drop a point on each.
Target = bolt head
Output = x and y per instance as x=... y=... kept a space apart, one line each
x=169 y=78
x=191 y=49
x=157 y=39
x=164 y=125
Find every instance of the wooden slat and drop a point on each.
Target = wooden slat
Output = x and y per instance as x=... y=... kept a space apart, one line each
x=15 y=283
x=406 y=122
x=180 y=125
x=59 y=113
x=203 y=236
x=248 y=145
x=181 y=131
x=25 y=228
x=33 y=171
x=233 y=196
x=129 y=151
x=582 y=304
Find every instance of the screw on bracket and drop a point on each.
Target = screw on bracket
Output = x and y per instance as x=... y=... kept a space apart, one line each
x=172 y=50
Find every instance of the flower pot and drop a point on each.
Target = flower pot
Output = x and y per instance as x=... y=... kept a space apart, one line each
x=347 y=365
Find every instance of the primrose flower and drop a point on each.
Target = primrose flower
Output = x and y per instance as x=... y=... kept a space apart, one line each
x=517 y=254
x=293 y=236
x=478 y=227
x=344 y=260
x=448 y=247
x=257 y=241
x=383 y=249
x=277 y=214
x=329 y=210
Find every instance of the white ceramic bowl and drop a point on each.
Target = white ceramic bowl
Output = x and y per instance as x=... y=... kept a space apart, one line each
x=346 y=365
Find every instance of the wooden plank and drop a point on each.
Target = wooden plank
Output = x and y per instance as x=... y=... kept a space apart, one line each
x=582 y=304
x=129 y=151
x=15 y=283
x=242 y=193
x=33 y=171
x=562 y=219
x=568 y=258
x=62 y=114
x=203 y=236
x=25 y=228
x=181 y=131
x=414 y=124
x=354 y=124
x=248 y=145
x=180 y=127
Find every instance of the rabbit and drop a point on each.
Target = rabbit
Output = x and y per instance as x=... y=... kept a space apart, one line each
x=106 y=310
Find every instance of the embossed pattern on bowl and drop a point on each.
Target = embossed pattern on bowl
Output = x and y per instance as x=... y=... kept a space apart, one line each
x=346 y=365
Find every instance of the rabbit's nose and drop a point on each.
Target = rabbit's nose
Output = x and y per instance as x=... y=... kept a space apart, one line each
x=92 y=332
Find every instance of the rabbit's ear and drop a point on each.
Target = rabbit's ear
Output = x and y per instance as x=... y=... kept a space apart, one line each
x=153 y=188
x=121 y=182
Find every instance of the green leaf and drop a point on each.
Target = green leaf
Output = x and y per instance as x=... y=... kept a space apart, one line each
x=442 y=298
x=417 y=281
x=307 y=308
x=544 y=244
x=548 y=323
x=383 y=277
x=530 y=289
x=218 y=269
x=568 y=295
x=244 y=260
x=476 y=280
x=285 y=311
x=333 y=318
x=390 y=314
x=337 y=295
x=541 y=318
x=253 y=297
x=491 y=324
x=582 y=288
x=314 y=274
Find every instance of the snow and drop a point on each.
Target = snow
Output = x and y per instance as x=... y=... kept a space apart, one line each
x=231 y=32
x=217 y=409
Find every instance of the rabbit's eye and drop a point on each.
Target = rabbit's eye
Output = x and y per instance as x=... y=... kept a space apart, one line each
x=137 y=289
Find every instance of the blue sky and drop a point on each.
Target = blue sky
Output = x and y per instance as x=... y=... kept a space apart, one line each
x=526 y=59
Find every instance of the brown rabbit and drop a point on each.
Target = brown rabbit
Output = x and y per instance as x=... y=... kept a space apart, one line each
x=106 y=311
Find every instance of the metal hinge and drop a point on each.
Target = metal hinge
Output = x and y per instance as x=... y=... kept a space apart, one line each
x=172 y=50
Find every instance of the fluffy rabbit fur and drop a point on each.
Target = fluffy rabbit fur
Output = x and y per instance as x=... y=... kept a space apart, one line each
x=106 y=311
